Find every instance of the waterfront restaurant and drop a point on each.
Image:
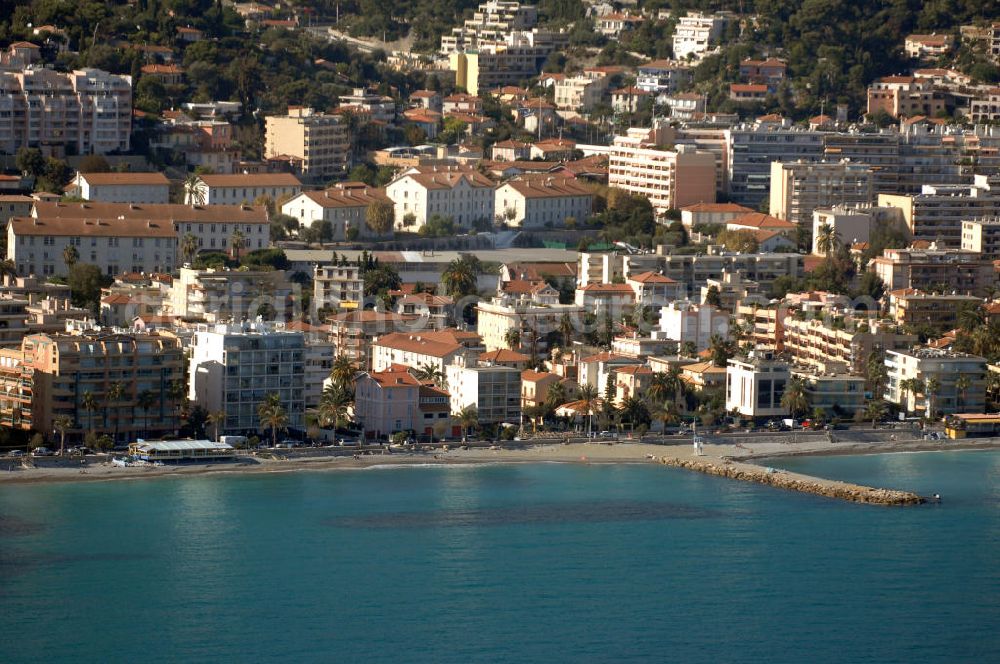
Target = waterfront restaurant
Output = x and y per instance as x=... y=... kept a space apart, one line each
x=181 y=450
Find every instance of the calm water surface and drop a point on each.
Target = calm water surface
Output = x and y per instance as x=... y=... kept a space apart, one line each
x=525 y=563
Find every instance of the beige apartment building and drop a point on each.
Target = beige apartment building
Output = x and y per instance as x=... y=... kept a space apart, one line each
x=67 y=367
x=983 y=236
x=937 y=213
x=934 y=269
x=321 y=141
x=830 y=347
x=337 y=287
x=84 y=111
x=799 y=188
x=670 y=179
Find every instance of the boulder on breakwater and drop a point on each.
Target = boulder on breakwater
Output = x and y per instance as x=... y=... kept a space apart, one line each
x=841 y=490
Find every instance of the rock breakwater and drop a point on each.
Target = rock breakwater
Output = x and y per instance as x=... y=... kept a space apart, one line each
x=743 y=472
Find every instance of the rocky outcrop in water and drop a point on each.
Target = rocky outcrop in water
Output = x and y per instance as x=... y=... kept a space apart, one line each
x=854 y=493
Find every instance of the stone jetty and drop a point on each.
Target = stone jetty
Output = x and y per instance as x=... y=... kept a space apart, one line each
x=781 y=479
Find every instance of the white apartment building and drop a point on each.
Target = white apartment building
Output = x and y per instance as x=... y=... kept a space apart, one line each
x=321 y=141
x=495 y=391
x=234 y=368
x=217 y=296
x=142 y=188
x=684 y=321
x=798 y=188
x=960 y=378
x=755 y=385
x=213 y=226
x=242 y=188
x=750 y=150
x=463 y=194
x=668 y=178
x=84 y=111
x=337 y=287
x=695 y=34
x=491 y=21
x=663 y=76
x=982 y=235
x=345 y=206
x=937 y=212
x=533 y=314
x=537 y=202
x=36 y=245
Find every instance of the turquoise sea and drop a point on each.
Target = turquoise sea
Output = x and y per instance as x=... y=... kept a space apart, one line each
x=505 y=563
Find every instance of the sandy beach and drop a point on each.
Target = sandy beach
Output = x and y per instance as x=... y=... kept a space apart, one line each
x=742 y=453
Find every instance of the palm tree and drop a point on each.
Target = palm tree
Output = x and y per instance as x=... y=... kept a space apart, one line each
x=931 y=388
x=566 y=330
x=688 y=349
x=556 y=396
x=875 y=410
x=512 y=337
x=145 y=400
x=62 y=424
x=70 y=256
x=431 y=372
x=459 y=278
x=794 y=399
x=962 y=385
x=272 y=415
x=666 y=412
x=193 y=193
x=114 y=395
x=189 y=247
x=827 y=239
x=721 y=349
x=971 y=318
x=177 y=392
x=588 y=395
x=468 y=417
x=217 y=419
x=89 y=403
x=237 y=239
x=913 y=386
x=332 y=409
x=342 y=372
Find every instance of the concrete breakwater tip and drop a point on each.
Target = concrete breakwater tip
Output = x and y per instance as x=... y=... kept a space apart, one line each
x=854 y=493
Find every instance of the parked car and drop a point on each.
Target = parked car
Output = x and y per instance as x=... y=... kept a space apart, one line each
x=42 y=451
x=17 y=453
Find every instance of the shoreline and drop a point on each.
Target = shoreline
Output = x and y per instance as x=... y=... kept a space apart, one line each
x=733 y=461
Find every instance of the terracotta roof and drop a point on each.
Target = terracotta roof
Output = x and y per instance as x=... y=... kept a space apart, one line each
x=747 y=87
x=606 y=356
x=427 y=298
x=635 y=369
x=449 y=179
x=133 y=179
x=421 y=344
x=631 y=90
x=369 y=316
x=116 y=298
x=651 y=278
x=462 y=98
x=161 y=69
x=424 y=94
x=716 y=207
x=244 y=214
x=535 y=376
x=538 y=271
x=93 y=227
x=896 y=79
x=503 y=355
x=511 y=144
x=759 y=220
x=930 y=40
x=608 y=288
x=547 y=187
x=251 y=180
x=24 y=44
x=523 y=286
x=702 y=367
x=771 y=117
x=390 y=379
x=555 y=144
x=337 y=197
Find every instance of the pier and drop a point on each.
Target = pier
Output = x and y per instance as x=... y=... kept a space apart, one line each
x=746 y=472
